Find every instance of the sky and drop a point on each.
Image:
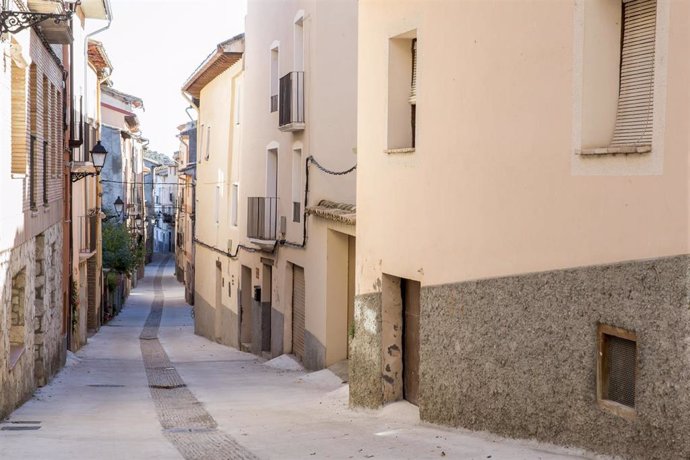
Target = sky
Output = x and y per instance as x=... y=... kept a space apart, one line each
x=155 y=45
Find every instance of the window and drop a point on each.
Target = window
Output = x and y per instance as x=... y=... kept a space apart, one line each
x=299 y=42
x=618 y=73
x=234 y=202
x=402 y=93
x=19 y=120
x=46 y=136
x=296 y=184
x=635 y=96
x=617 y=370
x=275 y=77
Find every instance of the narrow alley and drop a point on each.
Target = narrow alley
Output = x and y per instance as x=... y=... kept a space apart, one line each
x=146 y=387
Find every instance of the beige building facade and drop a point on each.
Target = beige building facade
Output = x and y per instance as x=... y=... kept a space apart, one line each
x=522 y=231
x=276 y=273
x=186 y=209
x=299 y=127
x=215 y=91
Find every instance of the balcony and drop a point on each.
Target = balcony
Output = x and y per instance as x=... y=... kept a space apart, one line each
x=291 y=110
x=262 y=219
x=88 y=226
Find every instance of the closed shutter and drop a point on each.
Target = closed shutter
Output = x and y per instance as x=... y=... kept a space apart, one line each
x=636 y=96
x=413 y=86
x=298 y=311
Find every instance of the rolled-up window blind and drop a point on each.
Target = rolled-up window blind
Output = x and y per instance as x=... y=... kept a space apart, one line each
x=635 y=112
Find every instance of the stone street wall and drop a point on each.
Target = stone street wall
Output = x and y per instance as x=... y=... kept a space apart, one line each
x=31 y=344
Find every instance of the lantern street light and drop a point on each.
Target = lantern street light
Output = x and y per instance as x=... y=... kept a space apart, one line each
x=98 y=155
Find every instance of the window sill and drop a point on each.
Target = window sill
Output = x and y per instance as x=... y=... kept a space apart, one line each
x=625 y=149
x=398 y=151
x=618 y=409
x=18 y=176
x=16 y=352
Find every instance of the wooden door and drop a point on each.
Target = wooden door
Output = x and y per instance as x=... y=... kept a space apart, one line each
x=298 y=309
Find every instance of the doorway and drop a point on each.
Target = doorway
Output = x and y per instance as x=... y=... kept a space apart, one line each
x=245 y=299
x=266 y=305
x=298 y=311
x=410 y=294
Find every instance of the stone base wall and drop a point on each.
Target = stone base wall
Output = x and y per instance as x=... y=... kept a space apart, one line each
x=40 y=335
x=517 y=356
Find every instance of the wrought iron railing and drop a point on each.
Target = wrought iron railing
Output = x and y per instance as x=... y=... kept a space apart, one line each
x=292 y=99
x=262 y=217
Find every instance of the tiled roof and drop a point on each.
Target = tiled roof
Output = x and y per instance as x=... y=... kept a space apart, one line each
x=338 y=212
x=99 y=58
x=224 y=56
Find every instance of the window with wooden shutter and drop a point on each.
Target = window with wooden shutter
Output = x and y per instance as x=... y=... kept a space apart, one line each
x=19 y=120
x=634 y=117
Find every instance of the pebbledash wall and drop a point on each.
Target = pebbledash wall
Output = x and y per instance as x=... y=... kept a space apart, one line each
x=521 y=245
x=517 y=355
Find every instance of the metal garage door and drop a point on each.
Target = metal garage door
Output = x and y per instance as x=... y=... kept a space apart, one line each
x=298 y=311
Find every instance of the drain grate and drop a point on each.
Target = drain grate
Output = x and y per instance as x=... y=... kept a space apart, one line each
x=22 y=425
x=20 y=428
x=168 y=387
x=105 y=385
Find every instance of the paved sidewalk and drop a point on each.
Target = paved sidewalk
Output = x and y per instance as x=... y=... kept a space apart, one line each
x=101 y=406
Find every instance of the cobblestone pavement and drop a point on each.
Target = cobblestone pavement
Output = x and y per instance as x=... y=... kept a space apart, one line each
x=187 y=424
x=146 y=387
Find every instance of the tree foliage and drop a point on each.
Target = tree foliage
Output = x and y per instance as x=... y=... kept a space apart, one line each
x=122 y=251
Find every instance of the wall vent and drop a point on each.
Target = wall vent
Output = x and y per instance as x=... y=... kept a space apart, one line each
x=617 y=370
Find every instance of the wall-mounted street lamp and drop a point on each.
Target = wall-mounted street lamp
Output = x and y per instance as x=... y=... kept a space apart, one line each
x=16 y=21
x=119 y=206
x=98 y=155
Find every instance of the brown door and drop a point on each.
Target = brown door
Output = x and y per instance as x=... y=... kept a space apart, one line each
x=246 y=306
x=410 y=297
x=298 y=319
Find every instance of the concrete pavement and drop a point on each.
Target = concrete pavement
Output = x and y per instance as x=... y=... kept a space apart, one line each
x=225 y=403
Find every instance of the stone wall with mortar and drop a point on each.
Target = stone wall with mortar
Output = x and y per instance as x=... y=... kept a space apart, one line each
x=517 y=355
x=43 y=347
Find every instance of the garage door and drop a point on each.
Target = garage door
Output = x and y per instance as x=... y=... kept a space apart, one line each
x=298 y=311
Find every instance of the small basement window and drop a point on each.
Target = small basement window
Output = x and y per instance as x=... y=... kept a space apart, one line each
x=617 y=370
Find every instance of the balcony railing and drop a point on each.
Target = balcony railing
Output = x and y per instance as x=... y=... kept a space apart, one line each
x=291 y=116
x=262 y=217
x=87 y=234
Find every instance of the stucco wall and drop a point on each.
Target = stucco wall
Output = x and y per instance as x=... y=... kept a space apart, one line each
x=494 y=186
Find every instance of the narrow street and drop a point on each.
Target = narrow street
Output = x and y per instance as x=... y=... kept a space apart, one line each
x=146 y=387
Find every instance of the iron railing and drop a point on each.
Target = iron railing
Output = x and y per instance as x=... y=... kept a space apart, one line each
x=87 y=233
x=262 y=217
x=292 y=100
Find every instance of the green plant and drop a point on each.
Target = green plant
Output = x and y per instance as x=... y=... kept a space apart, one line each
x=122 y=252
x=111 y=281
